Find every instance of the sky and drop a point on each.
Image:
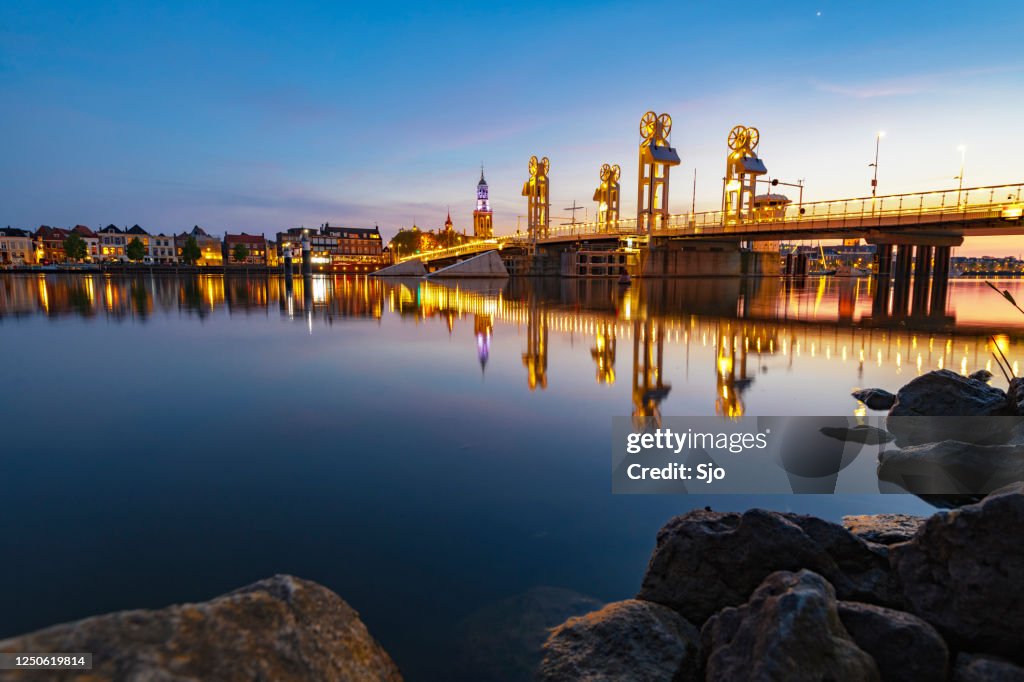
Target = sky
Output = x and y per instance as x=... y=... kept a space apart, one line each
x=259 y=116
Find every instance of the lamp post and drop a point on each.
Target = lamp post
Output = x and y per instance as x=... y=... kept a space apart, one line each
x=963 y=157
x=874 y=180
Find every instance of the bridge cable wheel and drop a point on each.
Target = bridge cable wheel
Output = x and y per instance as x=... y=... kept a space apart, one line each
x=647 y=123
x=737 y=137
x=664 y=127
x=606 y=172
x=533 y=166
x=616 y=172
x=754 y=137
x=545 y=166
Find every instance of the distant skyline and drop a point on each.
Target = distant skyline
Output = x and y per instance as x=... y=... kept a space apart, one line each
x=261 y=116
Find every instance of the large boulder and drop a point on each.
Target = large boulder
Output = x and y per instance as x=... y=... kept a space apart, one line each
x=904 y=646
x=875 y=398
x=282 y=628
x=962 y=573
x=952 y=467
x=789 y=631
x=705 y=561
x=979 y=668
x=942 y=393
x=631 y=639
x=885 y=529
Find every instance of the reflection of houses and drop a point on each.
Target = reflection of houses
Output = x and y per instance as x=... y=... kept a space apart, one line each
x=16 y=247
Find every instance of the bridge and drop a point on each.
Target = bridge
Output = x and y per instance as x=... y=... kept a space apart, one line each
x=940 y=217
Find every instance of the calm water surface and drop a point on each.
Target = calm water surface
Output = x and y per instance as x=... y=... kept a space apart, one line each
x=426 y=451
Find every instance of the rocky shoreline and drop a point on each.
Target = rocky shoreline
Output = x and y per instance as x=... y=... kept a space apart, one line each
x=766 y=595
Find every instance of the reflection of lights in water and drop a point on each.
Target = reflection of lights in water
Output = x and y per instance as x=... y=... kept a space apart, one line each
x=963 y=365
x=879 y=358
x=920 y=361
x=1016 y=369
x=861 y=410
x=941 y=362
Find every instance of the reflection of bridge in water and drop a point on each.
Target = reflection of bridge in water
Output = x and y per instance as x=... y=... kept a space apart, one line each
x=750 y=323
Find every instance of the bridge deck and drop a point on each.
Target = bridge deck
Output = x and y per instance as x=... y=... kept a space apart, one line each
x=976 y=211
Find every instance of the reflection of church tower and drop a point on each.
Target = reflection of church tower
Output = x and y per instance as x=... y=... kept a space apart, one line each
x=535 y=359
x=603 y=352
x=483 y=227
x=482 y=327
x=648 y=388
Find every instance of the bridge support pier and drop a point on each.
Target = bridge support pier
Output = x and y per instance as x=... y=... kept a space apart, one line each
x=922 y=278
x=940 y=280
x=901 y=279
x=883 y=281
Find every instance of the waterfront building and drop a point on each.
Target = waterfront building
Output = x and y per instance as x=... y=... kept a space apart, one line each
x=92 y=241
x=210 y=249
x=255 y=243
x=16 y=247
x=356 y=241
x=113 y=241
x=49 y=242
x=161 y=249
x=136 y=232
x=483 y=217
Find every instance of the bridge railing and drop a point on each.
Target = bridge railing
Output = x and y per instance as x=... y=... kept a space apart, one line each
x=883 y=211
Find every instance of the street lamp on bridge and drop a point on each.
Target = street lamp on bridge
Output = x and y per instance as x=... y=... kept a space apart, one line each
x=874 y=180
x=963 y=157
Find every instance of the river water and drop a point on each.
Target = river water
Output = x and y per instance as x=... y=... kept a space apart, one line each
x=432 y=453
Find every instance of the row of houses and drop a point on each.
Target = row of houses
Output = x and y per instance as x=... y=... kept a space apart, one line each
x=330 y=244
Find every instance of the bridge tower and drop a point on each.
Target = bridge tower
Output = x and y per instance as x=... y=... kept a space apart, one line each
x=538 y=203
x=535 y=359
x=656 y=158
x=607 y=197
x=742 y=167
x=483 y=217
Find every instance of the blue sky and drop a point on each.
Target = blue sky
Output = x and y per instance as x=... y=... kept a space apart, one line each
x=260 y=116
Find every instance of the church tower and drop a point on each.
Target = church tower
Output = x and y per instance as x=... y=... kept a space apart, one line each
x=483 y=227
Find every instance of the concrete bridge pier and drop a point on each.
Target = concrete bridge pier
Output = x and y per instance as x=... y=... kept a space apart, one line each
x=940 y=280
x=901 y=279
x=883 y=280
x=922 y=278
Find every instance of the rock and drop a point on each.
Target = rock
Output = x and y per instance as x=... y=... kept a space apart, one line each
x=975 y=668
x=962 y=573
x=952 y=467
x=630 y=639
x=942 y=393
x=875 y=398
x=982 y=375
x=904 y=646
x=704 y=561
x=282 y=628
x=1015 y=392
x=789 y=631
x=503 y=640
x=885 y=529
